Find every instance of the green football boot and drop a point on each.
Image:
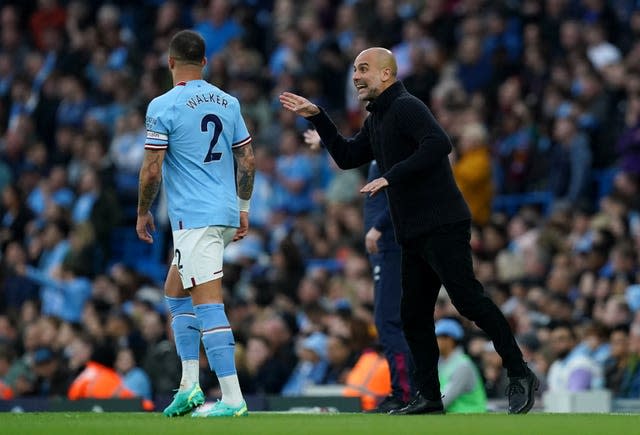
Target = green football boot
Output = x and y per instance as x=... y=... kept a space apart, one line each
x=185 y=402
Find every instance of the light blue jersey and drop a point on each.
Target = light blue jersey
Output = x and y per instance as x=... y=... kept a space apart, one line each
x=199 y=125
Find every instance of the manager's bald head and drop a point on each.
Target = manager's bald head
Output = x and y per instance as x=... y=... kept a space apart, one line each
x=383 y=58
x=374 y=70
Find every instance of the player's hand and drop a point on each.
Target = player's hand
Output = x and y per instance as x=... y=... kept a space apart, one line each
x=144 y=224
x=371 y=240
x=375 y=186
x=244 y=226
x=299 y=105
x=312 y=138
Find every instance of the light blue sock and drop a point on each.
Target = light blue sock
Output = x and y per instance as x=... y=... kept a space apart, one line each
x=217 y=338
x=186 y=327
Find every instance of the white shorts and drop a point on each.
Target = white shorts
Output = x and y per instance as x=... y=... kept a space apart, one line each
x=198 y=253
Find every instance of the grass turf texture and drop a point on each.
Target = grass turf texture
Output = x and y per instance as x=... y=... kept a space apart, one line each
x=64 y=423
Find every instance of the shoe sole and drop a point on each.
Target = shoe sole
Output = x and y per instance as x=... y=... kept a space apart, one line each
x=418 y=413
x=532 y=398
x=234 y=415
x=193 y=405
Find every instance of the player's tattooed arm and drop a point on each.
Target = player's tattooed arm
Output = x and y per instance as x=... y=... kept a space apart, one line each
x=150 y=178
x=246 y=170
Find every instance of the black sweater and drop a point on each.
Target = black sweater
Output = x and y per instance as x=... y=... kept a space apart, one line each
x=411 y=149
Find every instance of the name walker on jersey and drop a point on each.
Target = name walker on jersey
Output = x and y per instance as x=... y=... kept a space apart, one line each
x=210 y=97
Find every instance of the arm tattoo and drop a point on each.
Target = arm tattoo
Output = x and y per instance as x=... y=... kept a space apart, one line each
x=246 y=170
x=150 y=178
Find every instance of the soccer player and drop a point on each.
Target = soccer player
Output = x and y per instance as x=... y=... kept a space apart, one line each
x=193 y=132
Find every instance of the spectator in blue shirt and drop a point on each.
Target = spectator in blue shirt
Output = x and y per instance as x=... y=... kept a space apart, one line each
x=294 y=176
x=66 y=292
x=134 y=378
x=52 y=189
x=219 y=28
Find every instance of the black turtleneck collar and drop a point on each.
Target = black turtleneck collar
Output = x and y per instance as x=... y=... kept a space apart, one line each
x=387 y=96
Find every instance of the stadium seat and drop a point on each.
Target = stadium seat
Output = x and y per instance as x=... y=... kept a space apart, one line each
x=510 y=204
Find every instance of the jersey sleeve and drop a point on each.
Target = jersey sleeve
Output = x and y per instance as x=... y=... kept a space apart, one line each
x=157 y=126
x=241 y=135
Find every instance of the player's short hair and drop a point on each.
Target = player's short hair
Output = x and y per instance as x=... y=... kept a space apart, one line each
x=187 y=46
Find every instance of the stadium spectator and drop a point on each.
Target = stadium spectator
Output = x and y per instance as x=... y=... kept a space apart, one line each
x=462 y=387
x=217 y=27
x=630 y=383
x=293 y=176
x=133 y=377
x=261 y=371
x=571 y=162
x=571 y=370
x=472 y=172
x=312 y=365
x=52 y=377
x=16 y=216
x=616 y=364
x=341 y=359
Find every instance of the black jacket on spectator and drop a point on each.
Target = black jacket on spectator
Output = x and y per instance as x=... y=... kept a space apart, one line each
x=411 y=150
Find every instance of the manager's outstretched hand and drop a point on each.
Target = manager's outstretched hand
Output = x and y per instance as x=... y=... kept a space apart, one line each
x=374 y=186
x=299 y=105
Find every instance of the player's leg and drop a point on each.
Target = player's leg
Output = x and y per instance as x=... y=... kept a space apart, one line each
x=387 y=277
x=186 y=332
x=202 y=272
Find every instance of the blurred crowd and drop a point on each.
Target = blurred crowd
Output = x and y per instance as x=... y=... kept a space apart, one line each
x=536 y=95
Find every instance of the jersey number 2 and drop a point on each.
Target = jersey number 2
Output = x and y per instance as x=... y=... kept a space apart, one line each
x=217 y=129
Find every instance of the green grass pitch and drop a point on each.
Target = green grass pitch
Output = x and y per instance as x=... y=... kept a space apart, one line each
x=64 y=423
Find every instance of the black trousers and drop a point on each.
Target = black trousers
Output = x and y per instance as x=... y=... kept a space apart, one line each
x=443 y=257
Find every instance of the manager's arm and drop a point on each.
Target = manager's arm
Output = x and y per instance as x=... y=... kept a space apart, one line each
x=348 y=153
x=416 y=121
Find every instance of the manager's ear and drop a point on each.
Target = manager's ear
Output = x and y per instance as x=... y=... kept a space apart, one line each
x=203 y=62
x=171 y=62
x=385 y=74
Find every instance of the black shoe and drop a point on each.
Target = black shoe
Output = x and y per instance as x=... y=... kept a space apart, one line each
x=521 y=393
x=389 y=403
x=421 y=405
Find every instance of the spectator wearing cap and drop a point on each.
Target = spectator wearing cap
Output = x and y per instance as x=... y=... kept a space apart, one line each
x=312 y=365
x=53 y=378
x=462 y=388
